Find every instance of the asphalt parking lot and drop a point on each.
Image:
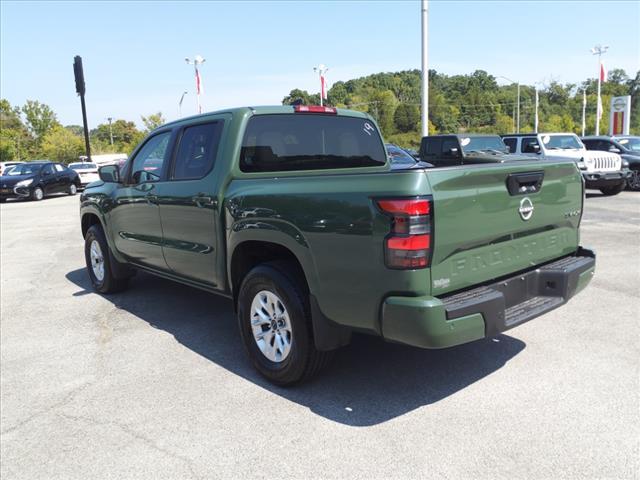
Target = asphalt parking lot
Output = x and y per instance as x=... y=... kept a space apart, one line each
x=153 y=382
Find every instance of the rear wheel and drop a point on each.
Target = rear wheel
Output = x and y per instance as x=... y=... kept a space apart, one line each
x=613 y=190
x=633 y=182
x=275 y=325
x=73 y=189
x=98 y=259
x=37 y=194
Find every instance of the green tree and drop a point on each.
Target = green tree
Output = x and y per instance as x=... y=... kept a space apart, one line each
x=153 y=121
x=61 y=145
x=383 y=108
x=39 y=117
x=406 y=118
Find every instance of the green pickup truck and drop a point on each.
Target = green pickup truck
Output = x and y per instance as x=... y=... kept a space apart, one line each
x=294 y=213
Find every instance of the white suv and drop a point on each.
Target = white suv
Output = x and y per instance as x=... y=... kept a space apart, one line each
x=602 y=170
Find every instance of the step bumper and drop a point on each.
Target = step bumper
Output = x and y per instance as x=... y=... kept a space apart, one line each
x=485 y=311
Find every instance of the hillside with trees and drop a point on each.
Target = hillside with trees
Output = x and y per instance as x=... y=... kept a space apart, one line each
x=457 y=103
x=474 y=103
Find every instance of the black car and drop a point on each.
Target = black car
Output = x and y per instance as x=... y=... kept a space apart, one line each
x=401 y=159
x=34 y=180
x=628 y=147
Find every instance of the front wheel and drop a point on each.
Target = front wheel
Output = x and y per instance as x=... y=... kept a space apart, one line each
x=37 y=194
x=633 y=182
x=613 y=190
x=98 y=259
x=275 y=325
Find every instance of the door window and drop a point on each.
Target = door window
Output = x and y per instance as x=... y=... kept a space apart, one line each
x=529 y=144
x=148 y=163
x=511 y=143
x=58 y=167
x=48 y=169
x=197 y=151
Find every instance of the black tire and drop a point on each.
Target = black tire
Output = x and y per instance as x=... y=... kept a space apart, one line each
x=73 y=189
x=633 y=182
x=303 y=360
x=37 y=196
x=613 y=190
x=109 y=283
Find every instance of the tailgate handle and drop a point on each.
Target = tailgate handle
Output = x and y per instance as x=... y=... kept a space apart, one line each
x=524 y=183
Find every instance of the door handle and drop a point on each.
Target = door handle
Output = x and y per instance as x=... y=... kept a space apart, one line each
x=151 y=198
x=203 y=201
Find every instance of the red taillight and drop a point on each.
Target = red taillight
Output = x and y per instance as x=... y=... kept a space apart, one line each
x=409 y=244
x=314 y=109
x=408 y=207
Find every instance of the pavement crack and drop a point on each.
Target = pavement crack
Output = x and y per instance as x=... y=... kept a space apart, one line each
x=137 y=436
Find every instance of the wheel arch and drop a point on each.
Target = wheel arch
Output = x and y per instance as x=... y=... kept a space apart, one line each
x=248 y=254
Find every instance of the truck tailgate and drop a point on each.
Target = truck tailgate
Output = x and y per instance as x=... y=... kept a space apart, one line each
x=483 y=229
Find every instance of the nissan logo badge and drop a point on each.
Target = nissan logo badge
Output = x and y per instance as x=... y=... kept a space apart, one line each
x=526 y=209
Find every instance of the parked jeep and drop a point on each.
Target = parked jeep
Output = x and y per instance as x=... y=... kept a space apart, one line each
x=601 y=170
x=628 y=147
x=294 y=213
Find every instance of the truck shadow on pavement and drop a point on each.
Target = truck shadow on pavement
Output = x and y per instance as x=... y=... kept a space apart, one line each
x=367 y=383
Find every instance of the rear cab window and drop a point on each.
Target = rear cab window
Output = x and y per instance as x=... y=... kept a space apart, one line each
x=295 y=142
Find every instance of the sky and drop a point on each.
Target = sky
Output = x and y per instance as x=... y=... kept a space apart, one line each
x=257 y=52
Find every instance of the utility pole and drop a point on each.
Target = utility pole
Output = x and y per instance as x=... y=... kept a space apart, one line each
x=80 y=90
x=197 y=60
x=599 y=50
x=584 y=111
x=322 y=69
x=517 y=106
x=425 y=67
x=110 y=130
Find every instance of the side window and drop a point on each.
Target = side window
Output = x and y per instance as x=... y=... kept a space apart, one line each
x=48 y=169
x=434 y=146
x=148 y=163
x=448 y=144
x=512 y=143
x=197 y=151
x=58 y=167
x=529 y=145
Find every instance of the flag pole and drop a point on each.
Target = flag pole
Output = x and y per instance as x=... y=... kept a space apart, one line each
x=321 y=69
x=197 y=60
x=599 y=50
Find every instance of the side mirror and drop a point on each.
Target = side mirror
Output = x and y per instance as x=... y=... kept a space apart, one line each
x=613 y=149
x=452 y=152
x=109 y=173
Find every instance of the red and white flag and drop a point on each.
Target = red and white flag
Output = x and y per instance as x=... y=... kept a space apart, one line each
x=198 y=82
x=323 y=87
x=603 y=72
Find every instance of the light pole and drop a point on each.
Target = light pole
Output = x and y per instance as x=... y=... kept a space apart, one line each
x=322 y=69
x=180 y=104
x=599 y=50
x=197 y=60
x=110 y=130
x=584 y=111
x=535 y=120
x=425 y=67
x=517 y=103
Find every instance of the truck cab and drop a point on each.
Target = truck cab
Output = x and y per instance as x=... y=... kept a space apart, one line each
x=464 y=149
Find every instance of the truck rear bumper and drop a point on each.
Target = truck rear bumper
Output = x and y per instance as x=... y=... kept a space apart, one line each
x=485 y=311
